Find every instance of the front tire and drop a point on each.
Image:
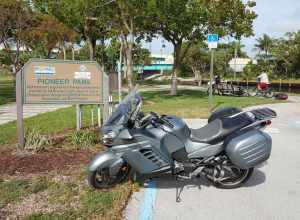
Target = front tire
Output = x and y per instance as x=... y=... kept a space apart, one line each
x=101 y=179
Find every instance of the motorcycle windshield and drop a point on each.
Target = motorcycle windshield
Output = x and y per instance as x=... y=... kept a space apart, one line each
x=125 y=110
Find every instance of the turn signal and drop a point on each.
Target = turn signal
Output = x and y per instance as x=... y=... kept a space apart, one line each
x=108 y=138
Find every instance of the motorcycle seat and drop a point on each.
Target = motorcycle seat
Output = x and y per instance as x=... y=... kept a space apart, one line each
x=217 y=130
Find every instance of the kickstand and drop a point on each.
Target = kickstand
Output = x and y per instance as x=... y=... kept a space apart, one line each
x=178 y=190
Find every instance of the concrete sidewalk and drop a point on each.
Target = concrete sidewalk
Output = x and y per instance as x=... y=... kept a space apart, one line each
x=9 y=112
x=273 y=192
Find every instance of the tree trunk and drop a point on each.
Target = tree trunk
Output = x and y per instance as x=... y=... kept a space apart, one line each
x=92 y=48
x=73 y=53
x=177 y=50
x=129 y=65
x=174 y=81
x=199 y=78
x=129 y=60
x=64 y=51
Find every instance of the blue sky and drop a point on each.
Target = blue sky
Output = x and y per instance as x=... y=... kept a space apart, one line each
x=275 y=17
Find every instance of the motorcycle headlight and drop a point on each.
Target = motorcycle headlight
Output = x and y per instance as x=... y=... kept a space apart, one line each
x=108 y=138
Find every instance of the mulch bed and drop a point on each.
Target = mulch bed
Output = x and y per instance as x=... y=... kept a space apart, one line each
x=16 y=163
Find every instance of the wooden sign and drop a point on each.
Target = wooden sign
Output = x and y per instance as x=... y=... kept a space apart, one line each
x=59 y=81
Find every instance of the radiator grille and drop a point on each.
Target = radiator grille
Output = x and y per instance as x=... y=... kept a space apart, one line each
x=153 y=157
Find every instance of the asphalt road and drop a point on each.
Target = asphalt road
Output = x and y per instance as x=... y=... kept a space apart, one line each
x=273 y=192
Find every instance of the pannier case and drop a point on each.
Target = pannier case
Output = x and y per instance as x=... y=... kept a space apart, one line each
x=249 y=149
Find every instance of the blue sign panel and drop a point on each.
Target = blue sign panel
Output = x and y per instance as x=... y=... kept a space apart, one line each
x=212 y=38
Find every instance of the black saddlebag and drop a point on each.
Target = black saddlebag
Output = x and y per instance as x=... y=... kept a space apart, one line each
x=249 y=149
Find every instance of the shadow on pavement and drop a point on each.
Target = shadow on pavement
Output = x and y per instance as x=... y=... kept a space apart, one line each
x=257 y=178
x=167 y=181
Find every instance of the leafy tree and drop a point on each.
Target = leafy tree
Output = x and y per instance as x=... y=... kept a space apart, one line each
x=230 y=48
x=286 y=54
x=88 y=18
x=131 y=22
x=15 y=18
x=249 y=72
x=180 y=21
x=46 y=34
x=264 y=44
x=141 y=56
x=198 y=61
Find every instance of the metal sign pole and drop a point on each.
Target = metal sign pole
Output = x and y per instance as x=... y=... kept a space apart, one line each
x=120 y=73
x=99 y=116
x=212 y=44
x=235 y=57
x=210 y=101
x=78 y=109
x=19 y=100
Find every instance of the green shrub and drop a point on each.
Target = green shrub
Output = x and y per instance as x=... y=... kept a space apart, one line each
x=84 y=138
x=35 y=141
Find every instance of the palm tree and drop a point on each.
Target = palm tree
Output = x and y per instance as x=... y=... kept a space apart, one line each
x=264 y=44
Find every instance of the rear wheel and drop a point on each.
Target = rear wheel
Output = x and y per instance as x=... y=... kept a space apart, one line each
x=101 y=179
x=232 y=177
x=269 y=94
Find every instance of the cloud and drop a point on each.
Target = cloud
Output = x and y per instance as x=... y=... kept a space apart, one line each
x=275 y=18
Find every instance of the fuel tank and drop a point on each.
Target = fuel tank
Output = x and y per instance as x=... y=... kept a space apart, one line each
x=168 y=139
x=174 y=143
x=178 y=126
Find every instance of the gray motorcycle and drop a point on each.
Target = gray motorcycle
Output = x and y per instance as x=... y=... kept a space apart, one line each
x=225 y=151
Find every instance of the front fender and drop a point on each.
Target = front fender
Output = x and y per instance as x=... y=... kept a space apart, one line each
x=106 y=159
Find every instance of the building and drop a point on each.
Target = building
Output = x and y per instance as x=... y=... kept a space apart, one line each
x=239 y=64
x=159 y=64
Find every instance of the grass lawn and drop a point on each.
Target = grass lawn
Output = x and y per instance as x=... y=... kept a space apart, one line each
x=63 y=195
x=47 y=123
x=7 y=91
x=194 y=104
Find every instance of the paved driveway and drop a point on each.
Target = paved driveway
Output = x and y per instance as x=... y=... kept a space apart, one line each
x=273 y=192
x=9 y=112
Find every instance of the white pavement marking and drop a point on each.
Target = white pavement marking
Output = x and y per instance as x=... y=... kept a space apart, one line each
x=8 y=112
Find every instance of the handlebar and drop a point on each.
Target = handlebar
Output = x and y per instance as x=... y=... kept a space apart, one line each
x=151 y=118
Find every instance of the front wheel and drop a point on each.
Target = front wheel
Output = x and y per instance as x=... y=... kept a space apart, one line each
x=101 y=179
x=235 y=177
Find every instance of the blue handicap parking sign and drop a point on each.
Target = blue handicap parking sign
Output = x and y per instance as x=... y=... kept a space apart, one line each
x=212 y=38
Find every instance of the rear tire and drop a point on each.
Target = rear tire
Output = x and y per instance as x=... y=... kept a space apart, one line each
x=234 y=183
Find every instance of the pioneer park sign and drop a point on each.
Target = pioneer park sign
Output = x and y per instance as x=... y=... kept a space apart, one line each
x=60 y=82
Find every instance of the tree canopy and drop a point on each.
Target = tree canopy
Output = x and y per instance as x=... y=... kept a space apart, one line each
x=180 y=21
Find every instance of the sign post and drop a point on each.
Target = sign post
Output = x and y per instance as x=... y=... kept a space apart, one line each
x=19 y=100
x=60 y=82
x=213 y=40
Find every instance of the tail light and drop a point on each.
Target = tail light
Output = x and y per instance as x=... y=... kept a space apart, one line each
x=266 y=123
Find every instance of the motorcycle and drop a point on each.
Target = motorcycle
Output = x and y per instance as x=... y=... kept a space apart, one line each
x=225 y=151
